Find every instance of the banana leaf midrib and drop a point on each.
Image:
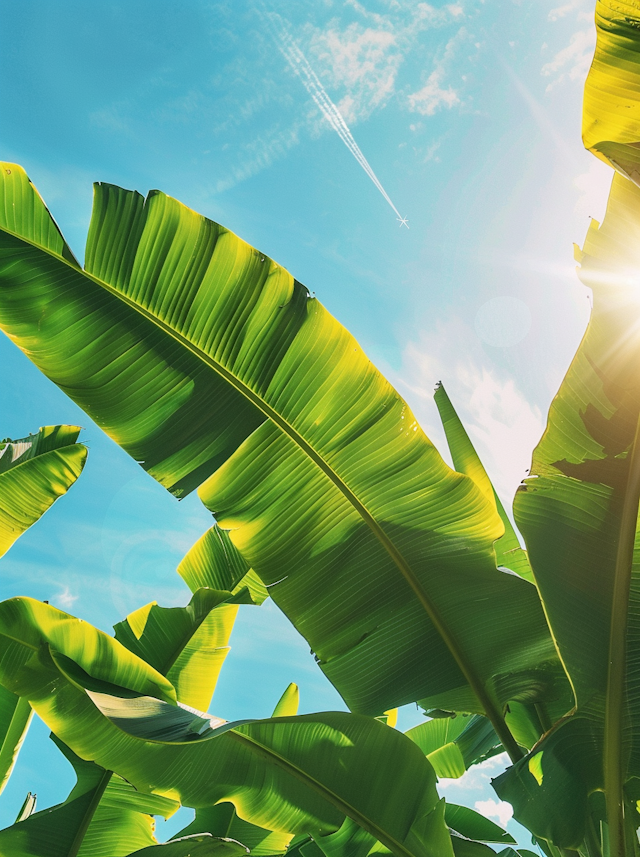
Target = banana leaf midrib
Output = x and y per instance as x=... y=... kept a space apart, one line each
x=476 y=685
x=614 y=775
x=255 y=746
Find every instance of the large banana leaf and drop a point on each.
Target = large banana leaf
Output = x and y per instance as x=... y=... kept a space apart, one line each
x=197 y=353
x=578 y=512
x=611 y=113
x=288 y=774
x=34 y=472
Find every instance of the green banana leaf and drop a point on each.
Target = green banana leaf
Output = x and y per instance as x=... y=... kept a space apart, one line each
x=223 y=821
x=288 y=774
x=509 y=552
x=578 y=513
x=453 y=744
x=102 y=817
x=216 y=563
x=34 y=472
x=470 y=824
x=199 y=356
x=611 y=112
x=15 y=718
x=186 y=644
x=194 y=846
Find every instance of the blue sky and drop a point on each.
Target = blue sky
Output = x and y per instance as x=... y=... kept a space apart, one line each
x=469 y=114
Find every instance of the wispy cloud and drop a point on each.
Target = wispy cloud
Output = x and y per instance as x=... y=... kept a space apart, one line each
x=573 y=60
x=435 y=94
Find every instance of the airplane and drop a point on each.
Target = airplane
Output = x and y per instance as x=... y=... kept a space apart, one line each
x=403 y=222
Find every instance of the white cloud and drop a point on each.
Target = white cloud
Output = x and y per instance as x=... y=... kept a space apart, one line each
x=566 y=9
x=574 y=59
x=477 y=777
x=65 y=599
x=502 y=424
x=432 y=95
x=501 y=810
x=363 y=61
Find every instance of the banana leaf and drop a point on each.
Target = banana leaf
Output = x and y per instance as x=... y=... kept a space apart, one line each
x=194 y=846
x=35 y=471
x=205 y=360
x=453 y=744
x=216 y=563
x=287 y=774
x=223 y=821
x=578 y=512
x=611 y=111
x=186 y=644
x=509 y=552
x=15 y=718
x=470 y=824
x=102 y=817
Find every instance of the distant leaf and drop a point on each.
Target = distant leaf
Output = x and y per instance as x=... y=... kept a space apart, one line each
x=34 y=472
x=288 y=703
x=509 y=552
x=28 y=807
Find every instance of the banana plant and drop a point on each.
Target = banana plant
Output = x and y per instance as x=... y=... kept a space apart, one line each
x=213 y=367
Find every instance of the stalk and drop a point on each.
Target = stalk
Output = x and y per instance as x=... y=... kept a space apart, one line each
x=613 y=720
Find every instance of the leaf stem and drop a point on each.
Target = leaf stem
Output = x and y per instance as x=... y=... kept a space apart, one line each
x=89 y=813
x=613 y=769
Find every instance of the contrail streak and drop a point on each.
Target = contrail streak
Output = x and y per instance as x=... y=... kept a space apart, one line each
x=316 y=90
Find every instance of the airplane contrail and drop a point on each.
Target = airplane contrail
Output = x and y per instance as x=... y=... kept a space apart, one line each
x=316 y=90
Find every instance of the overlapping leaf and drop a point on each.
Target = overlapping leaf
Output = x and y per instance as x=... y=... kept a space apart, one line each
x=288 y=774
x=215 y=562
x=186 y=644
x=102 y=817
x=34 y=472
x=611 y=114
x=198 y=354
x=453 y=744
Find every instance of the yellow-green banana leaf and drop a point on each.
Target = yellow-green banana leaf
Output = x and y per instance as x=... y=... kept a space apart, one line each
x=611 y=111
x=34 y=472
x=578 y=512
